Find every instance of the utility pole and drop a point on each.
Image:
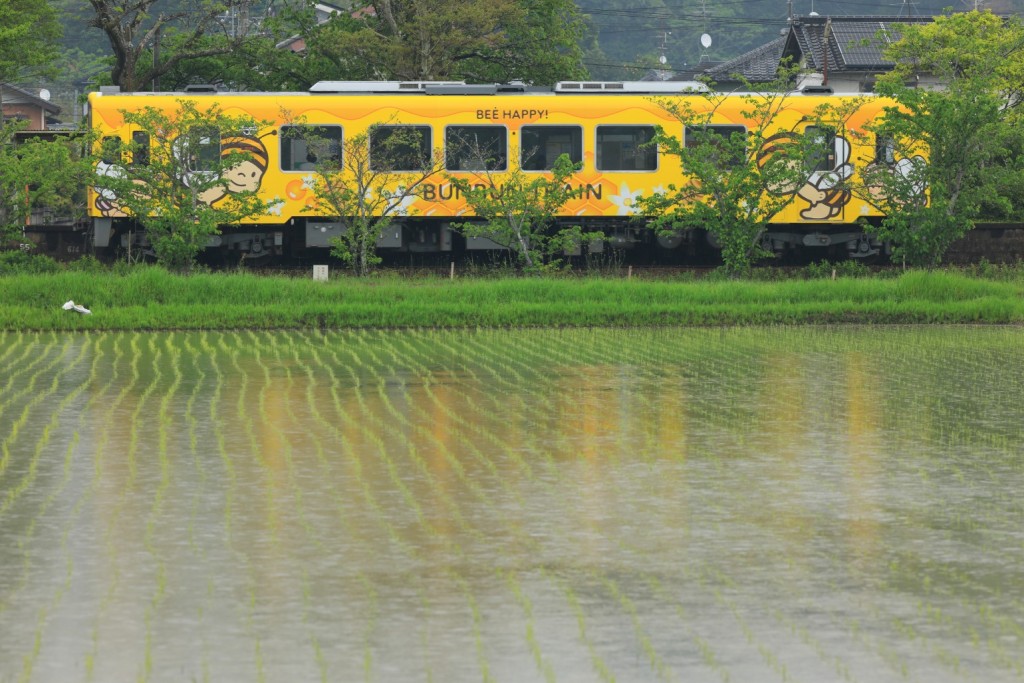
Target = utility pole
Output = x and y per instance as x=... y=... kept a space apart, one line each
x=824 y=49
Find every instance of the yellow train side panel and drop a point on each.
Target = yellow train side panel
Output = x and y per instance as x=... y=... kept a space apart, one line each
x=601 y=193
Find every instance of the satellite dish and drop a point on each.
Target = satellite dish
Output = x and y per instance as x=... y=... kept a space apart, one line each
x=44 y=94
x=663 y=59
x=705 y=40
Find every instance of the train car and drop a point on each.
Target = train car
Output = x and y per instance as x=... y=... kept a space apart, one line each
x=602 y=126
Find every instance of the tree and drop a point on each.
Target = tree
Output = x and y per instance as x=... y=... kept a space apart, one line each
x=516 y=209
x=368 y=183
x=197 y=28
x=739 y=177
x=476 y=40
x=966 y=130
x=27 y=180
x=185 y=174
x=29 y=31
x=281 y=69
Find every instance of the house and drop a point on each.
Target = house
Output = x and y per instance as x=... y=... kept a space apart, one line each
x=843 y=54
x=17 y=103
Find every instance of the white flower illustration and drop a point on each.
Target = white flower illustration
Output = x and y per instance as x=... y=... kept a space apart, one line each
x=626 y=200
x=401 y=203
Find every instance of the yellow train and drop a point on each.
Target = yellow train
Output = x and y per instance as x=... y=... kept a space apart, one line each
x=602 y=126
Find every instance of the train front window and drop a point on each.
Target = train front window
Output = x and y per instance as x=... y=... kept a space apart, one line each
x=626 y=148
x=542 y=145
x=400 y=148
x=140 y=148
x=476 y=148
x=304 y=147
x=885 y=150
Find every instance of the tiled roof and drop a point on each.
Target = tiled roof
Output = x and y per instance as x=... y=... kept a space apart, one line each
x=759 y=65
x=853 y=43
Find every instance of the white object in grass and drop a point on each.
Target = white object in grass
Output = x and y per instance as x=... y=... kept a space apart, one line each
x=70 y=305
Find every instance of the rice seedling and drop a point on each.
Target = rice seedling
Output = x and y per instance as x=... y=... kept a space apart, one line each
x=638 y=485
x=70 y=365
x=663 y=670
x=28 y=534
x=35 y=398
x=601 y=667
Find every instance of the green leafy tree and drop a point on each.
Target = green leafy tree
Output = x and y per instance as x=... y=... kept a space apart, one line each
x=966 y=130
x=281 y=68
x=199 y=169
x=367 y=184
x=736 y=178
x=519 y=210
x=29 y=32
x=191 y=30
x=28 y=181
x=475 y=40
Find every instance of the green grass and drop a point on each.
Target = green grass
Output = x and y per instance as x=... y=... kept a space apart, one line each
x=153 y=299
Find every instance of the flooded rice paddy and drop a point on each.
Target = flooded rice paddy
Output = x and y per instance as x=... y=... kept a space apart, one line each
x=581 y=505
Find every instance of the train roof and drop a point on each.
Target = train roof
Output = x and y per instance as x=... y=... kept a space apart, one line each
x=454 y=88
x=441 y=88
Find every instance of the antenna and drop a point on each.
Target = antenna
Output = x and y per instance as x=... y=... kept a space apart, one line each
x=664 y=46
x=705 y=37
x=911 y=8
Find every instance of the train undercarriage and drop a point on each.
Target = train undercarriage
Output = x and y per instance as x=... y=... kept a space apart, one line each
x=433 y=241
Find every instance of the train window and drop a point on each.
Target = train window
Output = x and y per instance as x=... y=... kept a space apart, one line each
x=626 y=148
x=201 y=148
x=821 y=156
x=303 y=147
x=140 y=148
x=400 y=148
x=715 y=134
x=541 y=145
x=476 y=148
x=885 y=150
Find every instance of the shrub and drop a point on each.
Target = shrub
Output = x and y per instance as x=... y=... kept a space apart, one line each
x=87 y=264
x=19 y=262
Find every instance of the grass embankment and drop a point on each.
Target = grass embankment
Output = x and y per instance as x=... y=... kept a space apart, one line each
x=152 y=299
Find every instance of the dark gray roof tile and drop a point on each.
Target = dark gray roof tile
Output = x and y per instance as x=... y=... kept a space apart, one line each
x=759 y=65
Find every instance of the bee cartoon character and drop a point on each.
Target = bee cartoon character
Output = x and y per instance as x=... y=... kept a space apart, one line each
x=908 y=173
x=244 y=176
x=822 y=189
x=106 y=200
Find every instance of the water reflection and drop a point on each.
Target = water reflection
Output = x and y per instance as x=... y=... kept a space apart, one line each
x=574 y=505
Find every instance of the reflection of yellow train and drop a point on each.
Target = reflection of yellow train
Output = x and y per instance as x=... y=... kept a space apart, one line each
x=603 y=126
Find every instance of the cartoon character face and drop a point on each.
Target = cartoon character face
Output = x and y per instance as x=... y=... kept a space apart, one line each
x=244 y=176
